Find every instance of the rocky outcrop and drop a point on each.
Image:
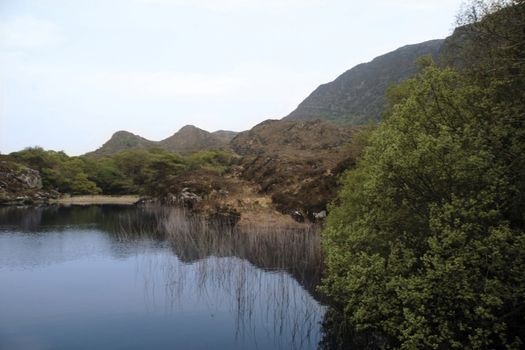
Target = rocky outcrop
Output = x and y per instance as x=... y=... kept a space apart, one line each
x=22 y=185
x=30 y=179
x=185 y=199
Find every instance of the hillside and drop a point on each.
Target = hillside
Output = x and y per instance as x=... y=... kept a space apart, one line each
x=297 y=163
x=191 y=139
x=357 y=97
x=188 y=139
x=122 y=141
x=225 y=135
x=290 y=137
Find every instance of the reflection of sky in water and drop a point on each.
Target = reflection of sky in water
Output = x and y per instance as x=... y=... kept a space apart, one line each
x=82 y=289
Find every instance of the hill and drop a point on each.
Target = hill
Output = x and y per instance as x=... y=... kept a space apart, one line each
x=357 y=97
x=297 y=163
x=191 y=139
x=122 y=141
x=225 y=135
x=188 y=139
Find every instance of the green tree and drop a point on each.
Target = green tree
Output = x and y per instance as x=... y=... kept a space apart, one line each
x=427 y=245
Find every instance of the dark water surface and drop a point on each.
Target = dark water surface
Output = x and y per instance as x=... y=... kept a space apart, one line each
x=103 y=277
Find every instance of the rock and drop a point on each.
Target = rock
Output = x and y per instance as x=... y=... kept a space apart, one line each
x=320 y=216
x=188 y=199
x=297 y=216
x=21 y=185
x=30 y=178
x=145 y=201
x=170 y=199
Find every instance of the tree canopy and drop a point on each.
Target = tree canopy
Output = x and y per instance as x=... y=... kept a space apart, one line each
x=426 y=245
x=149 y=172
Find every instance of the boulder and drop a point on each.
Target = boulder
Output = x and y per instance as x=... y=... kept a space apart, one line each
x=297 y=216
x=188 y=199
x=320 y=216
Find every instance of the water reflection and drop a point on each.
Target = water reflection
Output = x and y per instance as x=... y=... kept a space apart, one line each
x=251 y=289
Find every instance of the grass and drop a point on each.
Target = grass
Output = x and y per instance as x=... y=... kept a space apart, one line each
x=96 y=199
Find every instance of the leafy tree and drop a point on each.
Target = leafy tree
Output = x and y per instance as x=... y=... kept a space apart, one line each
x=427 y=245
x=59 y=172
x=108 y=176
x=162 y=170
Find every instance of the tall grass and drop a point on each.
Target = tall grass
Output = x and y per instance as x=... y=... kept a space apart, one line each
x=264 y=275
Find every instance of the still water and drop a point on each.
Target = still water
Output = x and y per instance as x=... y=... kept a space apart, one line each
x=103 y=277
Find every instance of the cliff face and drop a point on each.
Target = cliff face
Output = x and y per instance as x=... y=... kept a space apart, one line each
x=357 y=97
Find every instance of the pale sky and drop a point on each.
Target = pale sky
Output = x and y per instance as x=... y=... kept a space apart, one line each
x=72 y=72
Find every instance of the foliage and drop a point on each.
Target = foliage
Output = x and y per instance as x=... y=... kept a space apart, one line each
x=427 y=243
x=139 y=171
x=60 y=172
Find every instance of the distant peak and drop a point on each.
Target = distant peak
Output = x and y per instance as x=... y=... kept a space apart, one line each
x=188 y=127
x=122 y=133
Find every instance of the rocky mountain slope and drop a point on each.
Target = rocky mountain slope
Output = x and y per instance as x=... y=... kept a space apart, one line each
x=357 y=97
x=296 y=162
x=188 y=139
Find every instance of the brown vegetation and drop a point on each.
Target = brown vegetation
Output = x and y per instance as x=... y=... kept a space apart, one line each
x=296 y=163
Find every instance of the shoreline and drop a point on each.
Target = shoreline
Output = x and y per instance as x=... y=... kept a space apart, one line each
x=96 y=199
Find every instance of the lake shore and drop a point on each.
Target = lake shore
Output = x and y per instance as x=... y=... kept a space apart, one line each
x=96 y=199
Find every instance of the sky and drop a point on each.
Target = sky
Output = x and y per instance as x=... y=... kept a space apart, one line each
x=73 y=72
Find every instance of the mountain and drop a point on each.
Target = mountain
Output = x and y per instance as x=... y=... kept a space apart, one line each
x=357 y=97
x=122 y=141
x=225 y=135
x=188 y=139
x=191 y=139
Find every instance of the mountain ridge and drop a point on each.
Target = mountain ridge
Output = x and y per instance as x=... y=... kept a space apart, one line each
x=357 y=96
x=187 y=139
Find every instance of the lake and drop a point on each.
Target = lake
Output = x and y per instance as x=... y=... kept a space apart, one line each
x=118 y=277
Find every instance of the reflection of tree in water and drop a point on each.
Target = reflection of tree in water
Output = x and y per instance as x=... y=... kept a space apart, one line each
x=295 y=251
x=113 y=219
x=263 y=304
x=250 y=269
x=26 y=219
